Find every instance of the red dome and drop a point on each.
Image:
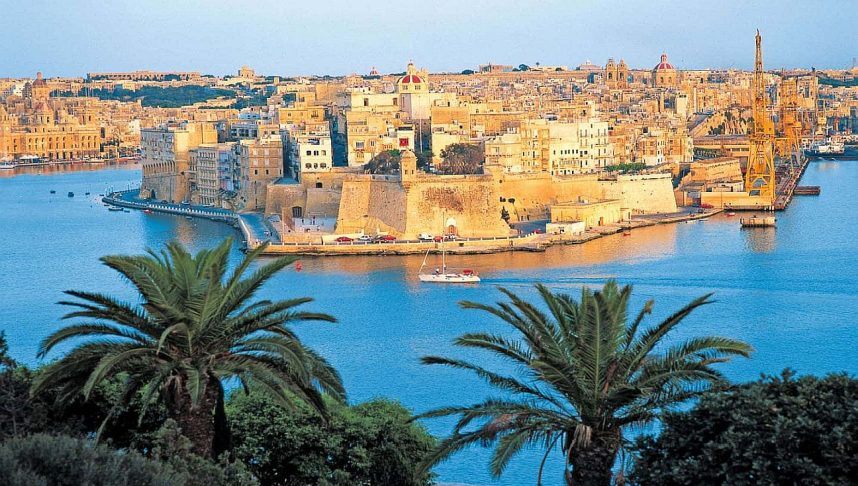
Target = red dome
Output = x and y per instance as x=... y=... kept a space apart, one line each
x=663 y=64
x=410 y=78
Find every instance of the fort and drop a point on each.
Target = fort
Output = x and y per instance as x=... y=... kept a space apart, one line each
x=414 y=202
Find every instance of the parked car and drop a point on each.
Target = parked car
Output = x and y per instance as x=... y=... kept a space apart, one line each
x=344 y=239
x=365 y=238
x=451 y=237
x=386 y=238
x=425 y=237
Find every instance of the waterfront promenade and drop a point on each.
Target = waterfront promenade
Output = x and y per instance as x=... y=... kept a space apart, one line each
x=256 y=229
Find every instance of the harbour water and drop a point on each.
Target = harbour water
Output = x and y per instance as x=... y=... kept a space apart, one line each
x=792 y=292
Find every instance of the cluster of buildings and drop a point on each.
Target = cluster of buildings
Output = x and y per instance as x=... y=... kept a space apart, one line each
x=552 y=140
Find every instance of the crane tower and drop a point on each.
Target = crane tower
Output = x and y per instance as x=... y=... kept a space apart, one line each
x=760 y=176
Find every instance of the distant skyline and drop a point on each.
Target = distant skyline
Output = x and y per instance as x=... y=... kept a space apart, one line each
x=71 y=38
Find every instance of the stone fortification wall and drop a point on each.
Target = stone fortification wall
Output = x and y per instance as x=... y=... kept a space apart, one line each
x=471 y=201
x=281 y=198
x=534 y=194
x=642 y=193
x=322 y=202
x=166 y=186
x=370 y=204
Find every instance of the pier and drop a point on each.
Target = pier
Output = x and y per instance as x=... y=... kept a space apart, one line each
x=787 y=184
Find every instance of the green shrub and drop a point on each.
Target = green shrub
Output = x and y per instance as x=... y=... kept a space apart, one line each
x=59 y=460
x=369 y=444
x=778 y=430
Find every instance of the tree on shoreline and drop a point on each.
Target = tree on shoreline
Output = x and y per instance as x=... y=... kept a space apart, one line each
x=197 y=326
x=588 y=374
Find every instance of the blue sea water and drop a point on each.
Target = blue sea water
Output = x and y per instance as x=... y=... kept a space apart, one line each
x=792 y=292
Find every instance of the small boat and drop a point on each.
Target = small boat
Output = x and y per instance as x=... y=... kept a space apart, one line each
x=71 y=194
x=188 y=217
x=147 y=211
x=731 y=214
x=86 y=194
x=126 y=210
x=53 y=191
x=114 y=208
x=442 y=274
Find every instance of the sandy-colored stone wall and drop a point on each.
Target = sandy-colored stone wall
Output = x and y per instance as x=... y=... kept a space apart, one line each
x=533 y=195
x=372 y=204
x=471 y=201
x=642 y=193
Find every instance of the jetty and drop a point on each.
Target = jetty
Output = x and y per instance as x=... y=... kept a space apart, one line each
x=758 y=221
x=787 y=184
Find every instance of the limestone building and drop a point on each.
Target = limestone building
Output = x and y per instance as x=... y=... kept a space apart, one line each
x=664 y=75
x=616 y=75
x=261 y=163
x=49 y=129
x=165 y=157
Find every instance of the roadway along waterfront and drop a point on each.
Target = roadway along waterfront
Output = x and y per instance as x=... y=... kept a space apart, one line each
x=790 y=291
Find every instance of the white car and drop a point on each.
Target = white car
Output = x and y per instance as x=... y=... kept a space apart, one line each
x=365 y=238
x=425 y=237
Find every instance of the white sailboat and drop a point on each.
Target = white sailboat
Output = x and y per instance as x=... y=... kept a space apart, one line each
x=442 y=274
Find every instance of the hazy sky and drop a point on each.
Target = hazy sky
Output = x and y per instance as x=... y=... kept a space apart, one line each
x=72 y=37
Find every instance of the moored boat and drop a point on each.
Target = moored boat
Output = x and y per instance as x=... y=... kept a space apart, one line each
x=442 y=274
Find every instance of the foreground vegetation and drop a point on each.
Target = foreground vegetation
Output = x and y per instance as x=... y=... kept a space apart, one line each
x=197 y=328
x=778 y=430
x=588 y=374
x=203 y=384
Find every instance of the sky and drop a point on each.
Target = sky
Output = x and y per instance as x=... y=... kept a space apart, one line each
x=337 y=37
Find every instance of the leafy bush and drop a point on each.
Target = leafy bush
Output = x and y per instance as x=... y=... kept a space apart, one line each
x=778 y=430
x=369 y=444
x=59 y=460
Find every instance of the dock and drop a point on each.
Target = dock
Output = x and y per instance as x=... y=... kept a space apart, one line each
x=758 y=222
x=807 y=191
x=787 y=185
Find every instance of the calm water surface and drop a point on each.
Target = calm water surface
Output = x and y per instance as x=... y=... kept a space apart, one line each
x=791 y=292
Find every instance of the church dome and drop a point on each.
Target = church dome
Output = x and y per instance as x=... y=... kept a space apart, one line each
x=410 y=78
x=39 y=81
x=664 y=65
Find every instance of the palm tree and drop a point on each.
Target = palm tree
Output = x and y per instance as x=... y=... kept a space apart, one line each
x=195 y=328
x=587 y=375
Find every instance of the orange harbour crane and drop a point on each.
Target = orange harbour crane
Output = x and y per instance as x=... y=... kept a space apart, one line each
x=760 y=176
x=789 y=144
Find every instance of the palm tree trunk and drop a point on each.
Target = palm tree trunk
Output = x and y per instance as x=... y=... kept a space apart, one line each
x=198 y=422
x=591 y=465
x=223 y=436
